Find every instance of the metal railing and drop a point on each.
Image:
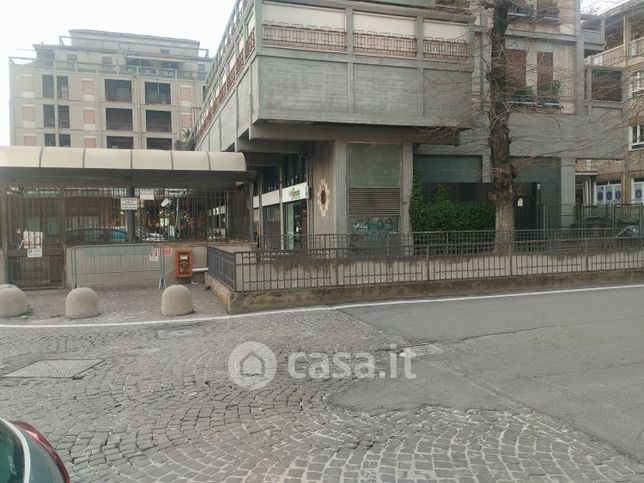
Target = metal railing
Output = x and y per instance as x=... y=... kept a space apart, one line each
x=343 y=260
x=445 y=50
x=221 y=265
x=286 y=35
x=115 y=69
x=380 y=44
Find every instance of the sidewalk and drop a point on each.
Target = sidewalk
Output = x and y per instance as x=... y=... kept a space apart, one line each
x=116 y=305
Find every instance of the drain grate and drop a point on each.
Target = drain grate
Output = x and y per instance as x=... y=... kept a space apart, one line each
x=57 y=368
x=181 y=332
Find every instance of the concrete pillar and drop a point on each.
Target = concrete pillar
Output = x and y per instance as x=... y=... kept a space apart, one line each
x=567 y=191
x=4 y=234
x=626 y=38
x=339 y=188
x=407 y=177
x=486 y=168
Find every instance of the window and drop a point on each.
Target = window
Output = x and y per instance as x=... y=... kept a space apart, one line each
x=608 y=192
x=90 y=142
x=87 y=87
x=158 y=121
x=89 y=116
x=159 y=143
x=606 y=85
x=157 y=93
x=118 y=90
x=49 y=115
x=27 y=83
x=50 y=139
x=637 y=136
x=120 y=142
x=72 y=57
x=637 y=84
x=186 y=93
x=186 y=121
x=165 y=51
x=28 y=113
x=515 y=69
x=48 y=86
x=544 y=68
x=29 y=140
x=118 y=119
x=62 y=84
x=106 y=60
x=63 y=117
x=64 y=140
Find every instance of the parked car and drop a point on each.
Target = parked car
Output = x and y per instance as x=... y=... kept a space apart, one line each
x=96 y=235
x=604 y=222
x=27 y=457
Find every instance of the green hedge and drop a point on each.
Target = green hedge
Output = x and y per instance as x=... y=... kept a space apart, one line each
x=441 y=214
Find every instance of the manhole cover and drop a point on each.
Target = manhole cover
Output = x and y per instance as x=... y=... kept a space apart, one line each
x=63 y=368
x=182 y=332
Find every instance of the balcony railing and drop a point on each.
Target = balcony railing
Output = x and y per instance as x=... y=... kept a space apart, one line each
x=118 y=125
x=322 y=38
x=128 y=70
x=445 y=50
x=225 y=88
x=158 y=127
x=380 y=44
x=157 y=99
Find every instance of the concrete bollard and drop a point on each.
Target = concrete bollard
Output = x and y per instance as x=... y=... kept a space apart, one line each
x=81 y=303
x=13 y=301
x=176 y=300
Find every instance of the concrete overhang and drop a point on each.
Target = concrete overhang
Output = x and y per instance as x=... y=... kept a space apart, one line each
x=136 y=167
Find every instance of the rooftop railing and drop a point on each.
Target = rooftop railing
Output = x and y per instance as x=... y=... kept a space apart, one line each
x=114 y=69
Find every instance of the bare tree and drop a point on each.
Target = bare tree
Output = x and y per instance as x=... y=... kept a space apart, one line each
x=503 y=173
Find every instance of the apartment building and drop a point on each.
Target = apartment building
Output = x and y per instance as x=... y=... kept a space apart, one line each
x=624 y=31
x=98 y=89
x=339 y=105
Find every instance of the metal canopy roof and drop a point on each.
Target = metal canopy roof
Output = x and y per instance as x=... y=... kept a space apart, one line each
x=136 y=166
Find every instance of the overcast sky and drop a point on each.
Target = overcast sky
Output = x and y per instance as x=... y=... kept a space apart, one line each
x=27 y=22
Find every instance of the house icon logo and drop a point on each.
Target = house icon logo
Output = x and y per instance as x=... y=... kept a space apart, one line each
x=252 y=365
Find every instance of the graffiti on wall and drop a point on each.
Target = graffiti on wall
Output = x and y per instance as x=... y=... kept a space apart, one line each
x=375 y=224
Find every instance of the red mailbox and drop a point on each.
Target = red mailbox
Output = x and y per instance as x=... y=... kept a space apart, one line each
x=183 y=263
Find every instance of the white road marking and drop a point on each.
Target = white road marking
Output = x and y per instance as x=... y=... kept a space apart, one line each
x=324 y=308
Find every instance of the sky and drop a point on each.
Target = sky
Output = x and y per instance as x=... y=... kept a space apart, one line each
x=27 y=22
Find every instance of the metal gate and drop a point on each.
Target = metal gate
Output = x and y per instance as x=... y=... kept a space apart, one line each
x=34 y=224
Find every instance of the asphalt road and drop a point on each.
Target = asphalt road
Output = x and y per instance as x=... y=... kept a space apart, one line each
x=574 y=355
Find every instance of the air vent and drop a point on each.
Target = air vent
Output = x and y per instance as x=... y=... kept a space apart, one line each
x=374 y=201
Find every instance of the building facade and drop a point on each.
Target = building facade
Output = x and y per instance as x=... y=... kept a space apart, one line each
x=624 y=32
x=107 y=90
x=339 y=105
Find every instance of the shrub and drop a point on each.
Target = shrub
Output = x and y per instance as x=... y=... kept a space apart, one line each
x=441 y=214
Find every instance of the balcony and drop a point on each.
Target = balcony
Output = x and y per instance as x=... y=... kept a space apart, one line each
x=157 y=93
x=615 y=56
x=542 y=96
x=445 y=50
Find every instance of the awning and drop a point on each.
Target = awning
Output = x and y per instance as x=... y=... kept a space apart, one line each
x=136 y=167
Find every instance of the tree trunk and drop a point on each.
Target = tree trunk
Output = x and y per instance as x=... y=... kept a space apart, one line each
x=503 y=173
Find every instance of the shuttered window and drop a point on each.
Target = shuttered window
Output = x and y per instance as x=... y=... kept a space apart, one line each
x=515 y=68
x=374 y=201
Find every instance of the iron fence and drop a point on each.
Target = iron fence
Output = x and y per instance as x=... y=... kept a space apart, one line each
x=221 y=265
x=445 y=50
x=346 y=260
x=380 y=44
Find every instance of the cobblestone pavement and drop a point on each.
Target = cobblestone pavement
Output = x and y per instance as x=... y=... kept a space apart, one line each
x=165 y=410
